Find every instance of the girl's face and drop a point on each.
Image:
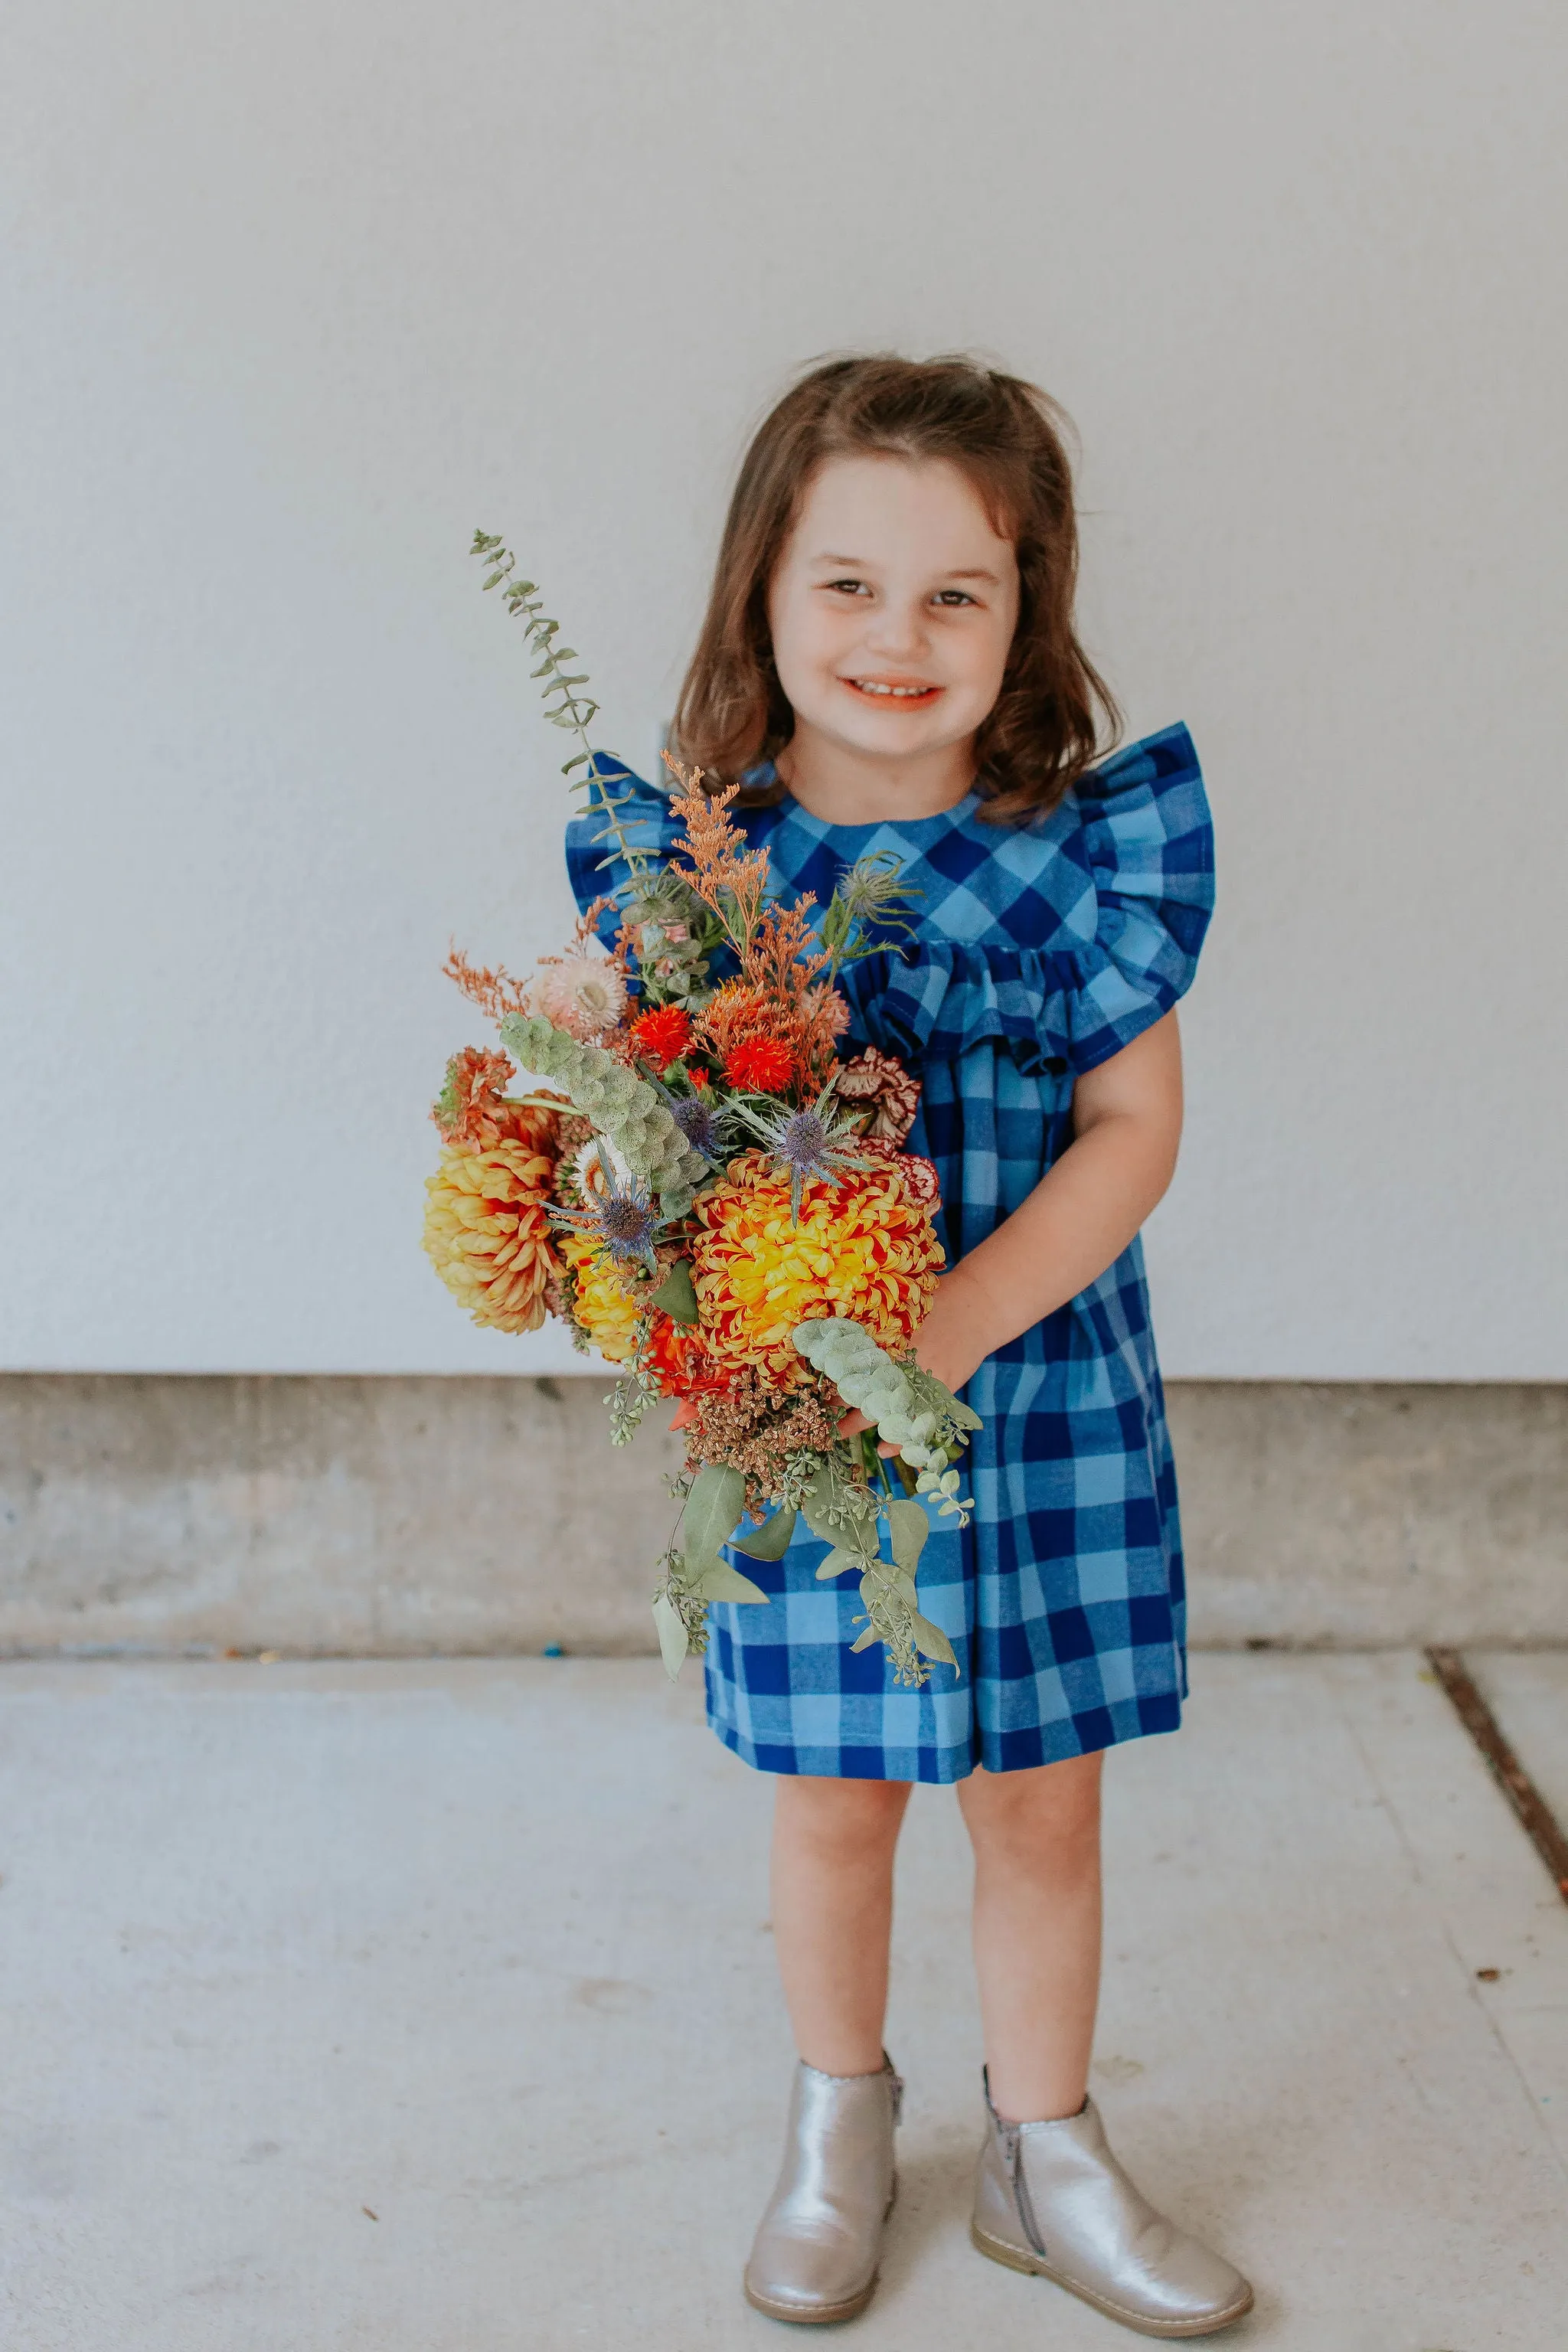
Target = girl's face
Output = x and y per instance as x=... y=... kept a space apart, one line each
x=892 y=608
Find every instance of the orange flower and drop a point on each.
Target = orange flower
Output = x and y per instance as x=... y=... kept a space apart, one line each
x=807 y=1020
x=765 y=1064
x=472 y=1109
x=487 y=1233
x=864 y=1248
x=733 y=1013
x=662 y=1036
x=679 y=1361
x=606 y=1309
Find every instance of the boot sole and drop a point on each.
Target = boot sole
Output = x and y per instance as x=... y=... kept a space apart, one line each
x=1033 y=2265
x=822 y=2315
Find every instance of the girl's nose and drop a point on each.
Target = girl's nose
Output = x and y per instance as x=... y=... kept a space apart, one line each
x=897 y=631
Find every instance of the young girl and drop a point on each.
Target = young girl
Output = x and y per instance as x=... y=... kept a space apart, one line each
x=890 y=663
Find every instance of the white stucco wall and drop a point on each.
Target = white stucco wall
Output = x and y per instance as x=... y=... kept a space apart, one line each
x=298 y=295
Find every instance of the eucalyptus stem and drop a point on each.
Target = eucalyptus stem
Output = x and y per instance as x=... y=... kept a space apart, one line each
x=572 y=713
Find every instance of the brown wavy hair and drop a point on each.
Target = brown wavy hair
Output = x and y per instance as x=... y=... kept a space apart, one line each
x=1054 y=712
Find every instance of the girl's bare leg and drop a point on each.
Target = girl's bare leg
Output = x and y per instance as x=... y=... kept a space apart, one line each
x=1053 y=2196
x=1036 y=1835
x=833 y=1913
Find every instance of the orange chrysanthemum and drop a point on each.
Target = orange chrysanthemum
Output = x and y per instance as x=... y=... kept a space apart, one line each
x=487 y=1233
x=604 y=1308
x=681 y=1363
x=864 y=1248
x=663 y=1036
x=765 y=1065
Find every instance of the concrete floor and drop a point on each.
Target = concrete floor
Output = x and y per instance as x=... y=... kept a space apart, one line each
x=430 y=2008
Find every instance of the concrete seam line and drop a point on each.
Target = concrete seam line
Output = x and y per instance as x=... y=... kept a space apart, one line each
x=1536 y=1817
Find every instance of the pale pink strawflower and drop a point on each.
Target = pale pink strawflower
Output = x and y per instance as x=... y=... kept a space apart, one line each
x=585 y=994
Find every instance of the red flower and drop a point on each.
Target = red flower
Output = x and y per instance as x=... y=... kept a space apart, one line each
x=698 y=1077
x=661 y=1037
x=764 y=1065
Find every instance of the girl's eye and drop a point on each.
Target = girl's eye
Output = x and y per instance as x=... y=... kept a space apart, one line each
x=849 y=587
x=952 y=596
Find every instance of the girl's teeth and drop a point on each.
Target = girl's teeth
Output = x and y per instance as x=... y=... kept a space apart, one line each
x=867 y=686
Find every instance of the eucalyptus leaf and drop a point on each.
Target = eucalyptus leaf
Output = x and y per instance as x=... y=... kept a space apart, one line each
x=770 y=1541
x=671 y=1634
x=814 y=1503
x=931 y=1642
x=909 y=1528
x=719 y=1582
x=716 y=1501
x=837 y=1561
x=866 y=1639
x=677 y=1293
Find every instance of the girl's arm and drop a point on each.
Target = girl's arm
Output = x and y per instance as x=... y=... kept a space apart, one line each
x=1127 y=1118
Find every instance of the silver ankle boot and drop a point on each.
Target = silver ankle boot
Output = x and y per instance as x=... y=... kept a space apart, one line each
x=820 y=2239
x=1051 y=2198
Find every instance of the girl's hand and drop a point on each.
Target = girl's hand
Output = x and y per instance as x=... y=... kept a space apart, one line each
x=953 y=1342
x=1080 y=1216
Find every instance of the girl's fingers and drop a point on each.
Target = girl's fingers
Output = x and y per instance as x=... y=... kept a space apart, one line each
x=854 y=1422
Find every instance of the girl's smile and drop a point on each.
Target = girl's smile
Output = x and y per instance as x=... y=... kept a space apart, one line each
x=904 y=690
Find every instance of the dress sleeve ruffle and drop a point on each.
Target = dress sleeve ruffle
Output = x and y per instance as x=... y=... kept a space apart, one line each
x=1145 y=848
x=593 y=863
x=935 y=1003
x=1149 y=845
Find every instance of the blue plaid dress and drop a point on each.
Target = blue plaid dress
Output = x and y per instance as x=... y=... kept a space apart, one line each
x=1041 y=952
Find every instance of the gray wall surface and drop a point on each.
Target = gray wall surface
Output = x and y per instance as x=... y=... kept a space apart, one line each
x=295 y=296
x=389 y=1516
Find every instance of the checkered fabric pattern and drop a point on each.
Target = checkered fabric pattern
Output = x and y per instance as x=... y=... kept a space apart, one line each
x=1040 y=952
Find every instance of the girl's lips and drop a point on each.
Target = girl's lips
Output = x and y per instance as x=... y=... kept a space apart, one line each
x=904 y=694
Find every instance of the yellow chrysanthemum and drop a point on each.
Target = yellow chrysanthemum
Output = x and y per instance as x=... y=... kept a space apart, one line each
x=604 y=1308
x=864 y=1248
x=487 y=1233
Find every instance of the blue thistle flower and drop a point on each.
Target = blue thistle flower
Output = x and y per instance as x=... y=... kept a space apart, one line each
x=699 y=1123
x=809 y=1144
x=623 y=1220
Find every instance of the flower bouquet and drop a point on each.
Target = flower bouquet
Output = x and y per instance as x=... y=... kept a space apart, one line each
x=706 y=1192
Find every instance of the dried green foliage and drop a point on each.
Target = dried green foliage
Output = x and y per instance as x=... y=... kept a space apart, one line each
x=623 y=1107
x=870 y=899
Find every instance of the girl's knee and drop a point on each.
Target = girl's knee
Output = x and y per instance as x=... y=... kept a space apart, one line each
x=844 y=1816
x=1051 y=1811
